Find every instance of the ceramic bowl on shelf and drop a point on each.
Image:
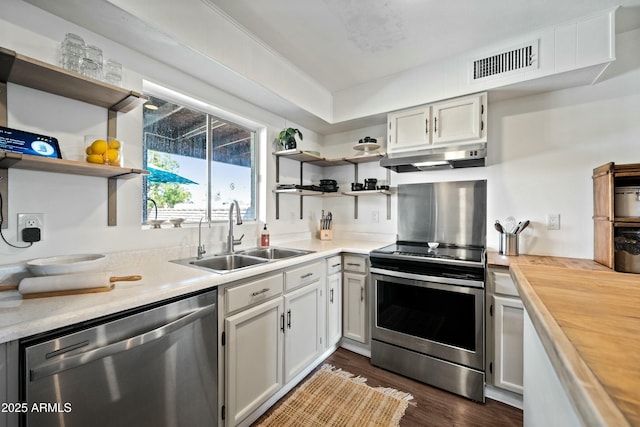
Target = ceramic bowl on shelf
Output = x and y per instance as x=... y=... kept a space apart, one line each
x=177 y=222
x=66 y=264
x=433 y=245
x=156 y=223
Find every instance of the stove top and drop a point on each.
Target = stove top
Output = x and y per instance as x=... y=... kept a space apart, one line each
x=444 y=252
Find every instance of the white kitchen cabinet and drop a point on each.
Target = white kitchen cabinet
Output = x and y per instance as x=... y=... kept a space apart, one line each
x=334 y=300
x=354 y=281
x=459 y=120
x=506 y=316
x=254 y=358
x=302 y=342
x=270 y=337
x=408 y=129
x=508 y=357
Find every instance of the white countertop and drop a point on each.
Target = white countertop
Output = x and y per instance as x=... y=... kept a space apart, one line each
x=161 y=280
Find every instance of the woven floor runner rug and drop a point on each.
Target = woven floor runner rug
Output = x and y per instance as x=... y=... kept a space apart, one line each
x=333 y=397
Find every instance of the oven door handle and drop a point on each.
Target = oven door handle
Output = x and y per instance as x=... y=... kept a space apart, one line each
x=127 y=344
x=412 y=276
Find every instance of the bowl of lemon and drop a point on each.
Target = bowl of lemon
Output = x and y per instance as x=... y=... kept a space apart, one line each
x=103 y=151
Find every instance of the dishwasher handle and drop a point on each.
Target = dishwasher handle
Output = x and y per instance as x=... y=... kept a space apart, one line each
x=71 y=362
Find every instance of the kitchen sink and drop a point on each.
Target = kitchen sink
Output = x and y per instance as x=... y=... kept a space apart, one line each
x=226 y=263
x=274 y=253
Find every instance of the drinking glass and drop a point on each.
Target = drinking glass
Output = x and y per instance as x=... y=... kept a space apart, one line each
x=73 y=50
x=113 y=72
x=91 y=69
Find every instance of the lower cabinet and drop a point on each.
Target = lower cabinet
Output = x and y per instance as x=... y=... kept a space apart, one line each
x=355 y=279
x=507 y=320
x=268 y=344
x=254 y=356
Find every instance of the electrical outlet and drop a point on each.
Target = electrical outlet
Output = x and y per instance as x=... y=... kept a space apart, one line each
x=553 y=221
x=30 y=220
x=375 y=216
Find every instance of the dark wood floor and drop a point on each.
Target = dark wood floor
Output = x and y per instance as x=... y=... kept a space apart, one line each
x=434 y=407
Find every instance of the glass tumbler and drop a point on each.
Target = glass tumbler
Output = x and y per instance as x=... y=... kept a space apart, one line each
x=91 y=69
x=73 y=50
x=113 y=72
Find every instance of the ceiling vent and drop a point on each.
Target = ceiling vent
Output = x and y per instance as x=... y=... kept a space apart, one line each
x=507 y=62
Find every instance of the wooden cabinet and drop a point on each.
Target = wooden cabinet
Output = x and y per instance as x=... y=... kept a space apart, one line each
x=355 y=278
x=460 y=120
x=334 y=300
x=606 y=222
x=506 y=317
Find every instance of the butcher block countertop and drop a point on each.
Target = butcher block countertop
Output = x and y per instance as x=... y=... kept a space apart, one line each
x=588 y=319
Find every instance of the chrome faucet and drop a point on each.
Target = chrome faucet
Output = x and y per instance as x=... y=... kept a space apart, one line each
x=201 y=250
x=231 y=242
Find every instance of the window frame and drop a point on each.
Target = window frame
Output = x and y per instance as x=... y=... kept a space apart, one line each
x=212 y=111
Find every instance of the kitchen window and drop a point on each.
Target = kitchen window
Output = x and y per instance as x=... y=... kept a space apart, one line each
x=199 y=163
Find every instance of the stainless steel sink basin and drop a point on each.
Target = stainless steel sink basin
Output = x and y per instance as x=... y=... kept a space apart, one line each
x=226 y=263
x=274 y=253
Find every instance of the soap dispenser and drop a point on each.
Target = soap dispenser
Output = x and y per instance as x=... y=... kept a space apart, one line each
x=264 y=237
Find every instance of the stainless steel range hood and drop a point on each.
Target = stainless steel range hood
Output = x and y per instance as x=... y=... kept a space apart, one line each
x=443 y=157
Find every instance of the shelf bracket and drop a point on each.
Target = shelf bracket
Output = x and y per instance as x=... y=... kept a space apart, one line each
x=112 y=202
x=4 y=117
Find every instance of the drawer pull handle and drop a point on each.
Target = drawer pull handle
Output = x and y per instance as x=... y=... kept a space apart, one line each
x=289 y=319
x=335 y=265
x=331 y=296
x=353 y=264
x=260 y=292
x=361 y=293
x=304 y=276
x=282 y=322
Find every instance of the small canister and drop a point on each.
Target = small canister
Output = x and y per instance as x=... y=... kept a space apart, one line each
x=627 y=202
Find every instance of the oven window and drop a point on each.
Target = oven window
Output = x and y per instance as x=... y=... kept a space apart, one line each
x=442 y=316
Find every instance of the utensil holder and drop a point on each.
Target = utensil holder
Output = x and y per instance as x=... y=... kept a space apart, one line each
x=509 y=244
x=326 y=234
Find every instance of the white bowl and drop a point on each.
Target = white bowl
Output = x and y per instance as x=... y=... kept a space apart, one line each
x=66 y=264
x=433 y=245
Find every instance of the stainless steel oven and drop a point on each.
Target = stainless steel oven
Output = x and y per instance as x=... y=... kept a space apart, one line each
x=428 y=300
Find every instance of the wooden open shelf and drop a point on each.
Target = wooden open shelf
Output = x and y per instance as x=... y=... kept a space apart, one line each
x=305 y=157
x=25 y=71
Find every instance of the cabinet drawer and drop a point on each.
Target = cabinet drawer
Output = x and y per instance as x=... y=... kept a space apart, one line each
x=334 y=265
x=503 y=283
x=303 y=275
x=355 y=263
x=251 y=293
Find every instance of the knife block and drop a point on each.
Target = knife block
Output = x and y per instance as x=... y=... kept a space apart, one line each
x=325 y=234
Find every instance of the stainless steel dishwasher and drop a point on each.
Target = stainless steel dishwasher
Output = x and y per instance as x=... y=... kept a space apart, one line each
x=153 y=367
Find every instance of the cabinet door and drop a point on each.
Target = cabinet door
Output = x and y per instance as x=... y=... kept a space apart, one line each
x=334 y=309
x=509 y=330
x=302 y=333
x=253 y=358
x=408 y=129
x=459 y=120
x=354 y=318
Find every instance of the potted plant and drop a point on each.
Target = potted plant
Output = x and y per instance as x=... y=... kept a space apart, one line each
x=287 y=138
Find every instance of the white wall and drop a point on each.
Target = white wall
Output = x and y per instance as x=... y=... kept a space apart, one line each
x=75 y=207
x=542 y=151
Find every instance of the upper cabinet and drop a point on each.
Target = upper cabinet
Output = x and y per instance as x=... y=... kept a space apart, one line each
x=460 y=120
